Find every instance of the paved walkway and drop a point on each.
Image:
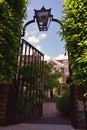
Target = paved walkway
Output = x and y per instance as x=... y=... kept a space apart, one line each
x=51 y=116
x=51 y=120
x=26 y=126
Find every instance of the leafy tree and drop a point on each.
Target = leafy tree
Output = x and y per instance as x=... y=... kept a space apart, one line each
x=12 y=13
x=74 y=32
x=30 y=72
x=50 y=78
x=63 y=104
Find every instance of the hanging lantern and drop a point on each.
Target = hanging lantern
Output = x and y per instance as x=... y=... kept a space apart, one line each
x=43 y=18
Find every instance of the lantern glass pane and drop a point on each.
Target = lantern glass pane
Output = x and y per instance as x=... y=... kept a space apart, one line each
x=43 y=18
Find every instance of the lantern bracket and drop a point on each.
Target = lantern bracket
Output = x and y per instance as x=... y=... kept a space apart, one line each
x=43 y=18
x=28 y=23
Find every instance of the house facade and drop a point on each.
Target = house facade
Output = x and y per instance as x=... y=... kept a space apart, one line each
x=60 y=64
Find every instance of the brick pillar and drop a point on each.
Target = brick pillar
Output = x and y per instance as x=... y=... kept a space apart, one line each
x=78 y=108
x=4 y=93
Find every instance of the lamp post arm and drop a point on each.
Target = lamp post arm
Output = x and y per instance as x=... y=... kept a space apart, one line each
x=29 y=22
x=56 y=20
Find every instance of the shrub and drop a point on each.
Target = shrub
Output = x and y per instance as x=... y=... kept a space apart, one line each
x=63 y=104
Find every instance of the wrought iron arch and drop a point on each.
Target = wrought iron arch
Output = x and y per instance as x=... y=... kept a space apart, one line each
x=39 y=19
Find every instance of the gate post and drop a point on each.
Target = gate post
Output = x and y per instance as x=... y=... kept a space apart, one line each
x=78 y=117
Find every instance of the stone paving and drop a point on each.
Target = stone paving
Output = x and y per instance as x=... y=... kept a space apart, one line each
x=51 y=116
x=51 y=120
x=27 y=126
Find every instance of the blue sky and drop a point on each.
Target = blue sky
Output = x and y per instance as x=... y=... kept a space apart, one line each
x=48 y=42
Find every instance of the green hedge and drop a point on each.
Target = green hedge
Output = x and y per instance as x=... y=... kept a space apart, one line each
x=63 y=104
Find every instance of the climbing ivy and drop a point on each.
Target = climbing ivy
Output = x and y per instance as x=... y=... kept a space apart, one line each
x=12 y=13
x=74 y=32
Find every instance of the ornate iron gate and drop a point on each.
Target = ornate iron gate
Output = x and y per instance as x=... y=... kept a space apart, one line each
x=29 y=83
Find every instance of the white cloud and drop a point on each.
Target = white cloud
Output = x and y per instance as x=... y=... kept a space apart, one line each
x=62 y=57
x=35 y=31
x=42 y=36
x=39 y=48
x=46 y=57
x=34 y=39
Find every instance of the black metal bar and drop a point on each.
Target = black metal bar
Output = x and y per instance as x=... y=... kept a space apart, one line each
x=55 y=20
x=32 y=47
x=27 y=92
x=32 y=21
x=58 y=21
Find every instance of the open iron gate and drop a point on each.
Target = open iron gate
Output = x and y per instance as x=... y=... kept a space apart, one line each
x=29 y=83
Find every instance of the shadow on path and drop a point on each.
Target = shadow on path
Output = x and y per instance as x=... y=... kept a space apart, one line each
x=51 y=116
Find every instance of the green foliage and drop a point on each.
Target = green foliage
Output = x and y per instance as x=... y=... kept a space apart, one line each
x=12 y=13
x=51 y=79
x=63 y=104
x=30 y=72
x=74 y=32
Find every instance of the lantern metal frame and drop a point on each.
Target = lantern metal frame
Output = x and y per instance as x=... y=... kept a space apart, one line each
x=43 y=18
